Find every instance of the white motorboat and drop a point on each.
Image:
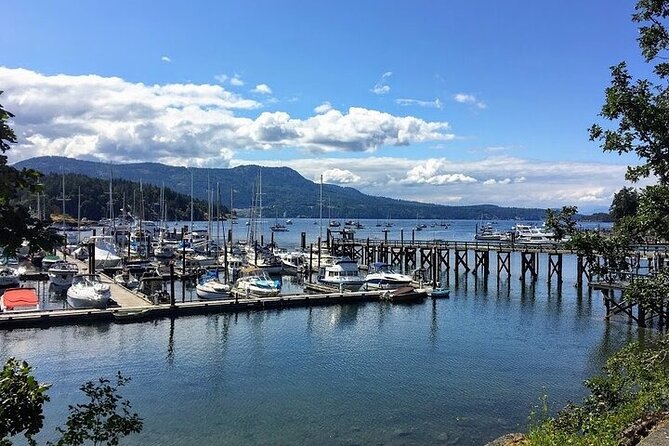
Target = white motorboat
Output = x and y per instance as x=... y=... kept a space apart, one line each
x=88 y=291
x=62 y=272
x=293 y=262
x=126 y=279
x=263 y=259
x=9 y=277
x=383 y=276
x=533 y=234
x=210 y=287
x=343 y=273
x=106 y=252
x=257 y=284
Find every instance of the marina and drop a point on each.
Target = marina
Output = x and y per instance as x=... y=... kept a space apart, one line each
x=396 y=353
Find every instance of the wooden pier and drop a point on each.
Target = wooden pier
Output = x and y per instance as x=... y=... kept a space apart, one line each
x=147 y=312
x=437 y=256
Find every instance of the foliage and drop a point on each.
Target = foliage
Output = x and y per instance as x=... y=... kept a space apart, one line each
x=650 y=291
x=634 y=383
x=625 y=203
x=21 y=402
x=653 y=214
x=641 y=108
x=614 y=250
x=16 y=223
x=561 y=223
x=104 y=420
x=95 y=199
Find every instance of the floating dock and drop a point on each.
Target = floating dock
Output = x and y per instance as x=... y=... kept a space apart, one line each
x=146 y=311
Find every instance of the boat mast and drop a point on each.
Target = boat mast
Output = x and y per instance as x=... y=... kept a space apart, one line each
x=191 y=201
x=63 y=197
x=260 y=200
x=321 y=209
x=79 y=217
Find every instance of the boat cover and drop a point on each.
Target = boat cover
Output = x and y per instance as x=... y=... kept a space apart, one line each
x=19 y=297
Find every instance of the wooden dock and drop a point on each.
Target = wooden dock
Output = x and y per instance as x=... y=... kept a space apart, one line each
x=147 y=312
x=124 y=297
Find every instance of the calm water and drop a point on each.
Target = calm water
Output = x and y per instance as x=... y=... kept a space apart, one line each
x=455 y=371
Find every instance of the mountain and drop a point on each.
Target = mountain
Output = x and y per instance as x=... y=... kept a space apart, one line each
x=283 y=191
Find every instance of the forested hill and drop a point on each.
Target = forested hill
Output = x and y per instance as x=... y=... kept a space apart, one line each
x=284 y=191
x=94 y=199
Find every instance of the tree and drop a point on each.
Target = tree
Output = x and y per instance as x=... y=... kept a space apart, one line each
x=16 y=223
x=641 y=108
x=104 y=420
x=561 y=223
x=21 y=401
x=625 y=203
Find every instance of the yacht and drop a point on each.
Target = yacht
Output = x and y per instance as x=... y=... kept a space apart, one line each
x=106 y=252
x=210 y=287
x=383 y=276
x=342 y=273
x=258 y=284
x=88 y=291
x=62 y=272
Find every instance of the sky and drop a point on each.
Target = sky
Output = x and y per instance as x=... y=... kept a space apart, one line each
x=449 y=102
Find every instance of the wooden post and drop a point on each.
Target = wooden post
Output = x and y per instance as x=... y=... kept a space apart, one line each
x=554 y=266
x=303 y=240
x=311 y=262
x=503 y=263
x=91 y=257
x=481 y=260
x=172 y=301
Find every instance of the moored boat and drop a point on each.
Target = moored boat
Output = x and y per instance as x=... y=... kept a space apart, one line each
x=342 y=273
x=88 y=291
x=9 y=277
x=210 y=287
x=62 y=272
x=256 y=283
x=19 y=299
x=383 y=276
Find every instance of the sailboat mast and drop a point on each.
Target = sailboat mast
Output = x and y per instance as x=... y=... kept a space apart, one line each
x=260 y=201
x=191 y=201
x=321 y=208
x=63 y=197
x=79 y=217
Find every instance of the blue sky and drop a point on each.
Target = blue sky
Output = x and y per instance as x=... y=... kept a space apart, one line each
x=448 y=102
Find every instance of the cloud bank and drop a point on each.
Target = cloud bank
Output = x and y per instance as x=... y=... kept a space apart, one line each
x=111 y=119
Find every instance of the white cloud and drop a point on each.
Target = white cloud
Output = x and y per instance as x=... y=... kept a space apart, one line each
x=382 y=87
x=464 y=98
x=494 y=181
x=533 y=183
x=339 y=176
x=429 y=104
x=166 y=59
x=262 y=89
x=323 y=108
x=110 y=119
x=234 y=80
x=436 y=172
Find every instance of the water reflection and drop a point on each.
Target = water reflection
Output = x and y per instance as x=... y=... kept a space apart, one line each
x=170 y=343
